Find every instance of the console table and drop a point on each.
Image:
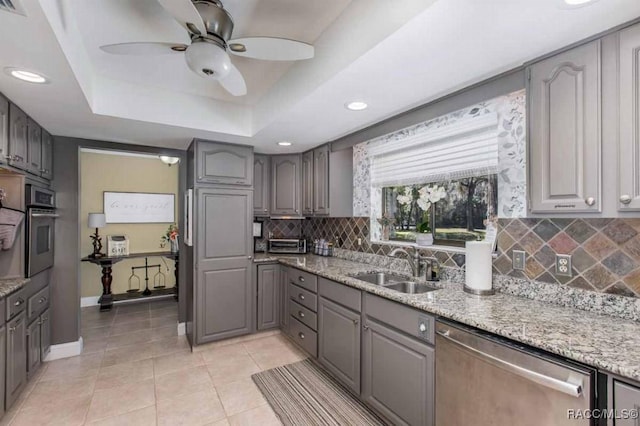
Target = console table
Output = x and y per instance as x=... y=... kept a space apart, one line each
x=106 y=263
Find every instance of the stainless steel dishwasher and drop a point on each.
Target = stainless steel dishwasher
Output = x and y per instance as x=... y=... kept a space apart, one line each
x=484 y=380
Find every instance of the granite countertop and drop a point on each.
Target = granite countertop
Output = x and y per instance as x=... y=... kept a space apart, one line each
x=605 y=342
x=8 y=286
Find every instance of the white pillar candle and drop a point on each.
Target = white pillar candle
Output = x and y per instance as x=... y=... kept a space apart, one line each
x=478 y=265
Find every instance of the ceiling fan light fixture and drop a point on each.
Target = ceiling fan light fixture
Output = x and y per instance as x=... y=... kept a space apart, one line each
x=356 y=106
x=238 y=47
x=208 y=59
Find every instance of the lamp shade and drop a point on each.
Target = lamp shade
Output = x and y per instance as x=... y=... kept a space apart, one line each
x=97 y=220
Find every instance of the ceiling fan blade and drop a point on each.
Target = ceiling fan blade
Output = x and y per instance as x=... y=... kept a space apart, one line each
x=151 y=48
x=186 y=14
x=271 y=48
x=234 y=82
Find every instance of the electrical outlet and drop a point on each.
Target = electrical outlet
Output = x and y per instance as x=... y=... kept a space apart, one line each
x=359 y=242
x=563 y=265
x=518 y=260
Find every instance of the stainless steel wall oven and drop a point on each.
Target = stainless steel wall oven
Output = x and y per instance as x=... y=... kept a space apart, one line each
x=41 y=215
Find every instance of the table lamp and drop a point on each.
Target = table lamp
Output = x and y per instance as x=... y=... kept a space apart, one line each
x=97 y=220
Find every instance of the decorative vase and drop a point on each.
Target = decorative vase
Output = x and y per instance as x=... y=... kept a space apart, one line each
x=424 y=239
x=174 y=245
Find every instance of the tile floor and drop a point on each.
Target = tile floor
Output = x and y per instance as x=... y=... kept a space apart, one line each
x=136 y=370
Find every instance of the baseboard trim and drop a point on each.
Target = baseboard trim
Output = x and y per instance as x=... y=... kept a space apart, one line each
x=65 y=350
x=182 y=328
x=89 y=301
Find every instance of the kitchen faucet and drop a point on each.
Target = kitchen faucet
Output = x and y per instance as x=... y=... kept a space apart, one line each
x=432 y=270
x=413 y=259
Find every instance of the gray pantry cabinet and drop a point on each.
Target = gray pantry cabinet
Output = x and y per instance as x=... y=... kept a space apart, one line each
x=268 y=286
x=629 y=98
x=18 y=137
x=286 y=179
x=223 y=288
x=565 y=141
x=4 y=129
x=46 y=170
x=34 y=147
x=261 y=175
x=220 y=163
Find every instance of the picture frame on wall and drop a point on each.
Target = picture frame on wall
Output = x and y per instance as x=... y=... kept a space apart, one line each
x=139 y=207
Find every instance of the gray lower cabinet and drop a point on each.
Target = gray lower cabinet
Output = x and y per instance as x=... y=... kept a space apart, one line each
x=34 y=147
x=45 y=335
x=268 y=296
x=339 y=342
x=18 y=137
x=4 y=129
x=286 y=180
x=33 y=345
x=16 y=371
x=261 y=183
x=224 y=296
x=284 y=299
x=222 y=163
x=3 y=363
x=564 y=103
x=47 y=155
x=626 y=397
x=629 y=98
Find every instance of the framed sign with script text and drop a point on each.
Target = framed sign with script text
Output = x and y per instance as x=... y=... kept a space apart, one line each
x=139 y=207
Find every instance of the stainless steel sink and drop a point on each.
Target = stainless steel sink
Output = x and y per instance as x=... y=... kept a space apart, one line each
x=380 y=278
x=410 y=287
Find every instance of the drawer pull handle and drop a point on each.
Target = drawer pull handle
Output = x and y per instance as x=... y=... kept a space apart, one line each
x=301 y=279
x=301 y=314
x=301 y=334
x=18 y=302
x=301 y=296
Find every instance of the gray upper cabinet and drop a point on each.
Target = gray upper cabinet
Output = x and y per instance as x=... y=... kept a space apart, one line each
x=339 y=342
x=4 y=129
x=34 y=147
x=564 y=96
x=16 y=370
x=18 y=137
x=321 y=180
x=224 y=295
x=268 y=296
x=47 y=155
x=261 y=166
x=222 y=163
x=629 y=98
x=286 y=179
x=307 y=183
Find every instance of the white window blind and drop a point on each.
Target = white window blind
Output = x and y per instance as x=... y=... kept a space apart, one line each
x=468 y=147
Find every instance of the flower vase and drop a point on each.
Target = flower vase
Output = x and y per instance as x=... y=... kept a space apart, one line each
x=174 y=245
x=424 y=239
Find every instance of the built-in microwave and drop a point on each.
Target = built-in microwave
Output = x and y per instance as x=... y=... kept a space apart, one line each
x=40 y=241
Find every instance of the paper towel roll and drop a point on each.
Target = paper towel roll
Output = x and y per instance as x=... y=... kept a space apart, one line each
x=478 y=265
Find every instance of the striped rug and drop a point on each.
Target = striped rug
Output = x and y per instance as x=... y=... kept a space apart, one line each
x=304 y=394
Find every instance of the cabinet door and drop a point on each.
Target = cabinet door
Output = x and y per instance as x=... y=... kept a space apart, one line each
x=285 y=185
x=565 y=138
x=397 y=375
x=16 y=357
x=33 y=345
x=307 y=183
x=268 y=297
x=45 y=335
x=339 y=342
x=321 y=180
x=261 y=185
x=626 y=397
x=223 y=261
x=3 y=364
x=4 y=129
x=34 y=147
x=18 y=137
x=629 y=110
x=224 y=163
x=284 y=299
x=47 y=155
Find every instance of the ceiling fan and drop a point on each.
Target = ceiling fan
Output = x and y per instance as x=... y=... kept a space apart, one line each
x=210 y=27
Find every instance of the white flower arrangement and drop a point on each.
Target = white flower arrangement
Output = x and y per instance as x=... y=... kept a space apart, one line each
x=406 y=199
x=429 y=195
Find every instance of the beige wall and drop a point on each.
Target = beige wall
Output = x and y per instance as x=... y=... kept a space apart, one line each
x=107 y=172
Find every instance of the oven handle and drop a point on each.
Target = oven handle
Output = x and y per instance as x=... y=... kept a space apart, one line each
x=51 y=215
x=572 y=389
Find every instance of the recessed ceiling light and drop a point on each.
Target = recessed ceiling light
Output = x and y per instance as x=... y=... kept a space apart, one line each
x=285 y=143
x=356 y=105
x=24 y=75
x=572 y=4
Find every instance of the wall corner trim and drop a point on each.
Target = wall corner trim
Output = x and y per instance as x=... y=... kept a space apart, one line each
x=65 y=350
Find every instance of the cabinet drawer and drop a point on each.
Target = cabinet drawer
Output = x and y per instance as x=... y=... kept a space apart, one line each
x=304 y=315
x=16 y=303
x=341 y=294
x=410 y=321
x=38 y=302
x=304 y=279
x=305 y=337
x=303 y=297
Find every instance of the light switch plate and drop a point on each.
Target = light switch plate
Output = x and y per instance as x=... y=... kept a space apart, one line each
x=518 y=260
x=563 y=265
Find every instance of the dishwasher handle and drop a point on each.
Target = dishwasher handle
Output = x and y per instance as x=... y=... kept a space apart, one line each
x=571 y=389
